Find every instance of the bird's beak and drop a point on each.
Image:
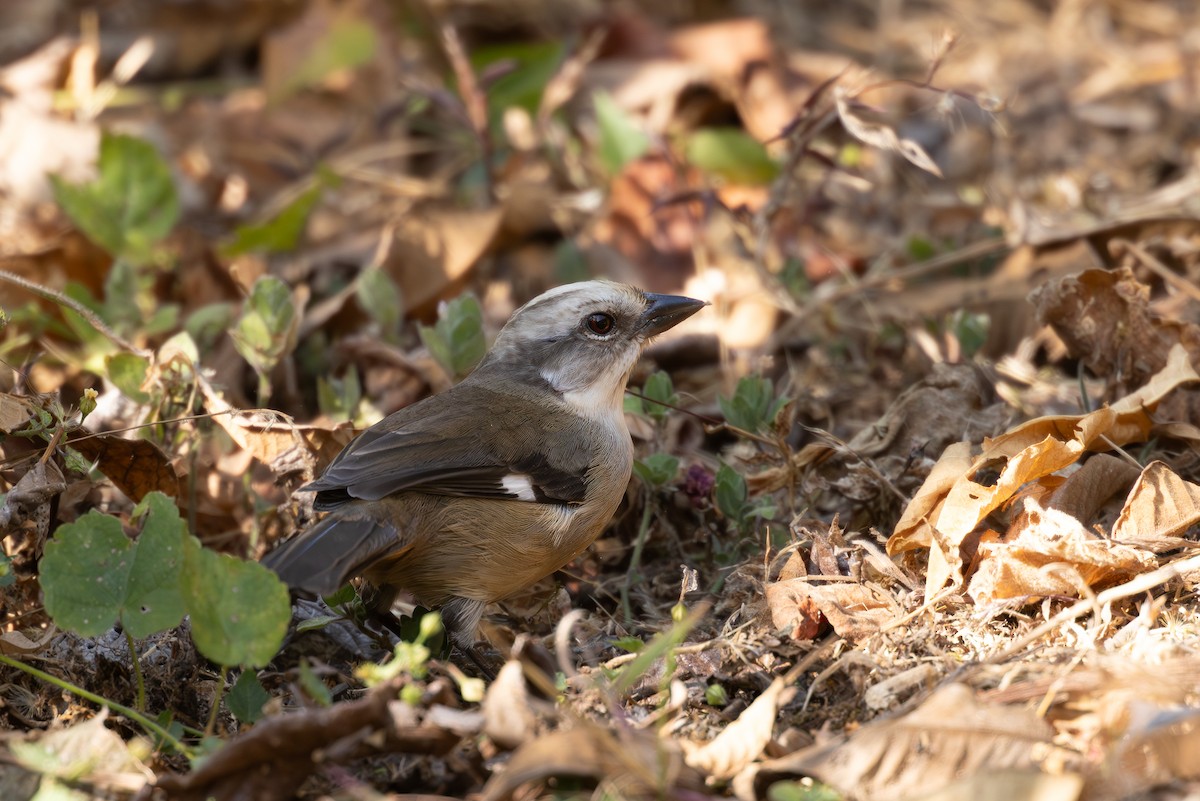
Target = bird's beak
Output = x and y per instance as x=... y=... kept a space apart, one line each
x=665 y=311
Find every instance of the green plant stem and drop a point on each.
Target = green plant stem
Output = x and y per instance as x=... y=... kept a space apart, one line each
x=211 y=726
x=137 y=672
x=636 y=559
x=137 y=717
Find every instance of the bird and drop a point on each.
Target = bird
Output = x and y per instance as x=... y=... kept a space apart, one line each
x=470 y=496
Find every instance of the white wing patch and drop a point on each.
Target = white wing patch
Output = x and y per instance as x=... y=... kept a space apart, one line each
x=519 y=485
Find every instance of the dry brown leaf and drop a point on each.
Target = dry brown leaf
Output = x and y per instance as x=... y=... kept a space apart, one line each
x=1160 y=508
x=913 y=530
x=433 y=250
x=282 y=445
x=950 y=736
x=792 y=609
x=14 y=642
x=1026 y=453
x=14 y=411
x=1104 y=318
x=30 y=498
x=135 y=466
x=1163 y=747
x=507 y=718
x=87 y=752
x=1091 y=486
x=884 y=137
x=639 y=760
x=1012 y=785
x=854 y=610
x=1051 y=554
x=743 y=740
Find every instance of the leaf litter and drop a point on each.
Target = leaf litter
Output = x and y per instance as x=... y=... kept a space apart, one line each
x=955 y=558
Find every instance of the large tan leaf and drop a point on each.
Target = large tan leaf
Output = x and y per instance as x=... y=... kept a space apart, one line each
x=1052 y=554
x=950 y=737
x=1026 y=453
x=743 y=740
x=1160 y=507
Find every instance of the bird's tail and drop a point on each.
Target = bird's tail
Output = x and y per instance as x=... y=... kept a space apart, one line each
x=327 y=555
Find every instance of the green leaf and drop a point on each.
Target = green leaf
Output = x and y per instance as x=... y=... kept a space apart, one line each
x=456 y=340
x=621 y=140
x=267 y=328
x=247 y=697
x=338 y=398
x=714 y=695
x=656 y=469
x=127 y=371
x=130 y=206
x=154 y=598
x=630 y=645
x=240 y=610
x=752 y=407
x=971 y=330
x=658 y=387
x=531 y=65
x=731 y=493
x=313 y=686
x=316 y=623
x=93 y=575
x=279 y=234
x=798 y=791
x=7 y=577
x=208 y=323
x=731 y=154
x=379 y=295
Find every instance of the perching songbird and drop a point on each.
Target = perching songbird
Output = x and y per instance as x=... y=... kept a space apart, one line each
x=473 y=495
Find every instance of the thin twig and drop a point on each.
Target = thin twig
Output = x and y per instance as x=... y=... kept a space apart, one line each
x=1134 y=586
x=78 y=308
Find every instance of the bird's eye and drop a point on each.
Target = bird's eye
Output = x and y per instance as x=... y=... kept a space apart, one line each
x=600 y=323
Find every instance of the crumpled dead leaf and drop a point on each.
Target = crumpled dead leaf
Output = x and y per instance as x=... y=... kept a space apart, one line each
x=642 y=762
x=1051 y=554
x=741 y=742
x=1104 y=318
x=949 y=736
x=507 y=718
x=1026 y=453
x=135 y=466
x=1160 y=508
x=854 y=610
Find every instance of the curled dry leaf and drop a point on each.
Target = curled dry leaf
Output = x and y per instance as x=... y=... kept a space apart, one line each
x=14 y=642
x=643 y=764
x=950 y=736
x=1160 y=508
x=854 y=610
x=30 y=498
x=135 y=466
x=507 y=718
x=1051 y=554
x=1104 y=318
x=14 y=412
x=275 y=441
x=882 y=136
x=1160 y=748
x=1026 y=453
x=88 y=753
x=743 y=740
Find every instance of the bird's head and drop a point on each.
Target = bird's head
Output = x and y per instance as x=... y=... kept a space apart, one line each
x=584 y=339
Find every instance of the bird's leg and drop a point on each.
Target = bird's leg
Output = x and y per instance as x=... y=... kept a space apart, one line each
x=460 y=617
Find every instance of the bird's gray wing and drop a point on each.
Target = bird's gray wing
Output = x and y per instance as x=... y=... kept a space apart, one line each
x=448 y=445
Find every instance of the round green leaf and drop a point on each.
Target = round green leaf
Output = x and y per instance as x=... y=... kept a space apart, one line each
x=240 y=610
